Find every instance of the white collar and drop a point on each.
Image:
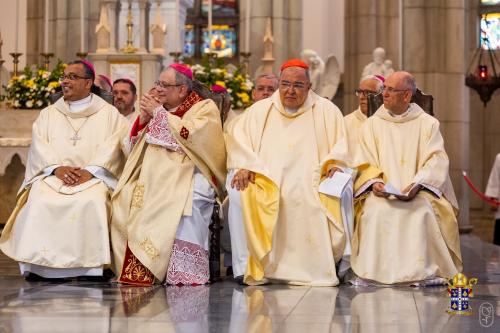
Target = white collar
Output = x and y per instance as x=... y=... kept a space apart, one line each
x=82 y=104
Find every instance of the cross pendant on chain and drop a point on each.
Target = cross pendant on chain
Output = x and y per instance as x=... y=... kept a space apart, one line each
x=75 y=138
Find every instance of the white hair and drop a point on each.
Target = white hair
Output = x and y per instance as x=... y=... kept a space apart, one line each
x=380 y=84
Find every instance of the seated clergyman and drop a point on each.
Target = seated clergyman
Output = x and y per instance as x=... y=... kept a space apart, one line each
x=59 y=227
x=406 y=227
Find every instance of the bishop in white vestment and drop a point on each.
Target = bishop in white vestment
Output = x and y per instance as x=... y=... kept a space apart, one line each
x=59 y=227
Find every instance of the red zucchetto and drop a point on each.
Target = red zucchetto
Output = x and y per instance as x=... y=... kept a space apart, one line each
x=294 y=63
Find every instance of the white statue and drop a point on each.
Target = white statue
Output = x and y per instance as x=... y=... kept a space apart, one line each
x=325 y=77
x=316 y=66
x=379 y=66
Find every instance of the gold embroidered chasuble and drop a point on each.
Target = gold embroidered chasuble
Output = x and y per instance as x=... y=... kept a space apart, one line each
x=59 y=226
x=396 y=241
x=155 y=191
x=293 y=234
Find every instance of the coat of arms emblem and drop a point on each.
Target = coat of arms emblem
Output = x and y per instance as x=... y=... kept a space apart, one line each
x=459 y=291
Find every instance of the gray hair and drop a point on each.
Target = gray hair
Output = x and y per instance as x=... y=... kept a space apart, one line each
x=409 y=83
x=270 y=76
x=184 y=80
x=380 y=84
x=308 y=75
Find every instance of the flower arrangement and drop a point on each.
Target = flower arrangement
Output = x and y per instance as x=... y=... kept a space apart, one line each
x=31 y=89
x=238 y=84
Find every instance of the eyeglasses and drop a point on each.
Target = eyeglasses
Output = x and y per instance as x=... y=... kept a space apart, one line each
x=73 y=77
x=165 y=85
x=365 y=92
x=285 y=85
x=392 y=90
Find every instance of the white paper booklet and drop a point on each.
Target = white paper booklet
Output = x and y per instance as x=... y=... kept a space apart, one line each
x=335 y=186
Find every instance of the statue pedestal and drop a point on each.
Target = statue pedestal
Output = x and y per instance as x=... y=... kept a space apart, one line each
x=142 y=68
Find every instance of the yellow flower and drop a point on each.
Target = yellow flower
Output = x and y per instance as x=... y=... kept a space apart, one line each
x=244 y=97
x=54 y=84
x=29 y=83
x=221 y=83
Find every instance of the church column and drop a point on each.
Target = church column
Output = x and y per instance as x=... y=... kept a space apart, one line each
x=435 y=52
x=144 y=6
x=260 y=11
x=368 y=24
x=287 y=27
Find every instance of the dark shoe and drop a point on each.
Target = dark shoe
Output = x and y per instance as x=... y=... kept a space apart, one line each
x=32 y=277
x=239 y=279
x=229 y=270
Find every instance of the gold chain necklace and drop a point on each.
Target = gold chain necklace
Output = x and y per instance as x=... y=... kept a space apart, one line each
x=75 y=137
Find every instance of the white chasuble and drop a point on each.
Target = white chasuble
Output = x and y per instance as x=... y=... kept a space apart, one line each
x=353 y=123
x=403 y=242
x=291 y=235
x=62 y=227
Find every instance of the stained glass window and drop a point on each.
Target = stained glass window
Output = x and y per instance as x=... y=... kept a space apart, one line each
x=189 y=43
x=490 y=2
x=223 y=41
x=225 y=23
x=490 y=31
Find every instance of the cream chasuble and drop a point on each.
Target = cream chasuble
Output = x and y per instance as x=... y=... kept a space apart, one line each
x=293 y=235
x=156 y=190
x=58 y=226
x=353 y=123
x=396 y=241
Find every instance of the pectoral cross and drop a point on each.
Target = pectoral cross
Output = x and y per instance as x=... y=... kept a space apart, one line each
x=75 y=138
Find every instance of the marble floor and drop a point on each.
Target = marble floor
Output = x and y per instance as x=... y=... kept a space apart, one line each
x=228 y=307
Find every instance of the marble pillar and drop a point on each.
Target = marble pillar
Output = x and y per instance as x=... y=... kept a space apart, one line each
x=368 y=24
x=435 y=31
x=144 y=7
x=260 y=11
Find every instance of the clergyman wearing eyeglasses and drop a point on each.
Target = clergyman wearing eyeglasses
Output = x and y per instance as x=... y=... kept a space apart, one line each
x=369 y=85
x=406 y=225
x=278 y=151
x=59 y=227
x=163 y=203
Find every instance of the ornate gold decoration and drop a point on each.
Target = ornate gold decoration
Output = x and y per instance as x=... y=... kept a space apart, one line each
x=136 y=272
x=149 y=248
x=138 y=196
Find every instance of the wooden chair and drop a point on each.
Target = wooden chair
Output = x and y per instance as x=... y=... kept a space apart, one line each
x=425 y=101
x=223 y=102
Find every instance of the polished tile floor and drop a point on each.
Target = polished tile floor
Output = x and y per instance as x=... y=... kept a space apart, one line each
x=227 y=307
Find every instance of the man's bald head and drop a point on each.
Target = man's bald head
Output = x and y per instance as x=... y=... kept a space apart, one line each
x=399 y=87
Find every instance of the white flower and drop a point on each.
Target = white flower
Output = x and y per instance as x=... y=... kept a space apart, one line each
x=39 y=103
x=45 y=75
x=29 y=104
x=17 y=104
x=229 y=90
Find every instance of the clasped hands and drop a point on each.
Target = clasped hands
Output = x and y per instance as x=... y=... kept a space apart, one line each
x=243 y=177
x=72 y=176
x=149 y=102
x=379 y=191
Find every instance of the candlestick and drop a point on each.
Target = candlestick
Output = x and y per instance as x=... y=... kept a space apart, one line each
x=176 y=56
x=46 y=59
x=16 y=56
x=246 y=61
